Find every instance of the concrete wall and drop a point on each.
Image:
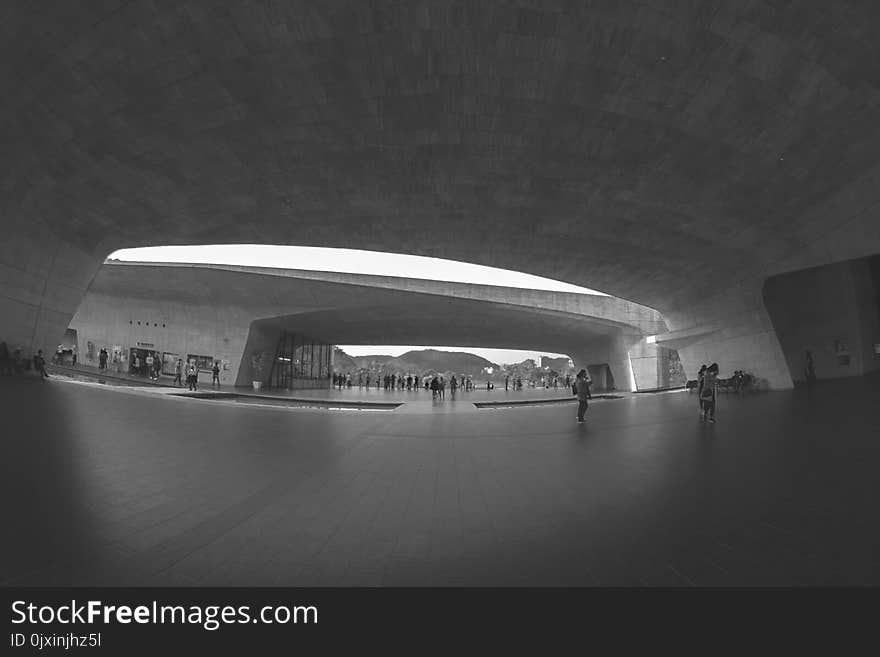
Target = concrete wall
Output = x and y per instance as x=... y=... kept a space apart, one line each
x=644 y=359
x=43 y=278
x=831 y=311
x=173 y=327
x=732 y=328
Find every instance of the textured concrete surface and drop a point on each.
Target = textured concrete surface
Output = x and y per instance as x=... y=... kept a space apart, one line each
x=673 y=154
x=230 y=312
x=834 y=312
x=146 y=489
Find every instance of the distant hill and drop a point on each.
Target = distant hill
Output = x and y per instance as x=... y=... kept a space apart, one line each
x=556 y=364
x=342 y=362
x=416 y=361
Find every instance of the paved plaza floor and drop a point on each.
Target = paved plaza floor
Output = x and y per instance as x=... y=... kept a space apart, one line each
x=117 y=486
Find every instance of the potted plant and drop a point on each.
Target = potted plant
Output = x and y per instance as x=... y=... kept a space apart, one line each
x=257 y=365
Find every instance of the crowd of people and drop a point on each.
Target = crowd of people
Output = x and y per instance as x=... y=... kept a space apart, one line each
x=398 y=381
x=436 y=383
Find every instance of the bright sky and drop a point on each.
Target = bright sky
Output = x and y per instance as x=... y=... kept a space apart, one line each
x=361 y=262
x=349 y=261
x=500 y=356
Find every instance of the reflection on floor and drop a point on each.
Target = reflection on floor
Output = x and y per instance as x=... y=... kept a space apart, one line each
x=112 y=487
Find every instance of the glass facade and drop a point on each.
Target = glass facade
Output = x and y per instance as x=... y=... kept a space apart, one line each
x=300 y=362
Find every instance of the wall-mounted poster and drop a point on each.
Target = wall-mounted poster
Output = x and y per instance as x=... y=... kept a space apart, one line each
x=203 y=363
x=168 y=363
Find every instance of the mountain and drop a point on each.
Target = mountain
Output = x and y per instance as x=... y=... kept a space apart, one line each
x=447 y=361
x=342 y=362
x=418 y=361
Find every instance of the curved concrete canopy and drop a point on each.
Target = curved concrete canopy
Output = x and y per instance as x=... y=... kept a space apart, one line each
x=672 y=154
x=254 y=305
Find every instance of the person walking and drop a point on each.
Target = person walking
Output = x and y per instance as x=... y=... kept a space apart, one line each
x=192 y=377
x=215 y=371
x=582 y=385
x=708 y=392
x=178 y=373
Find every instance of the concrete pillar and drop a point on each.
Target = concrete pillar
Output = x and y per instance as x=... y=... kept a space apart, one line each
x=732 y=328
x=610 y=350
x=42 y=282
x=643 y=359
x=263 y=340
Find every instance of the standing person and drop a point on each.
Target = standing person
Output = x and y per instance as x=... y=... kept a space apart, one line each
x=178 y=373
x=582 y=385
x=149 y=361
x=708 y=392
x=192 y=377
x=157 y=365
x=701 y=375
x=453 y=386
x=40 y=365
x=810 y=372
x=215 y=371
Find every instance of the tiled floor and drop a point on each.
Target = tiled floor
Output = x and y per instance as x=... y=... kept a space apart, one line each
x=106 y=486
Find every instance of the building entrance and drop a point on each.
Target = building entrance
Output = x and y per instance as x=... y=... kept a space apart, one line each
x=142 y=362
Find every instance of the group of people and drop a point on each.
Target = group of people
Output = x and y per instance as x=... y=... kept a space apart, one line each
x=192 y=374
x=408 y=382
x=741 y=381
x=517 y=383
x=151 y=365
x=15 y=363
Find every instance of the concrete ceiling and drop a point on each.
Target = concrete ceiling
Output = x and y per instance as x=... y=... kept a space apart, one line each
x=623 y=146
x=361 y=309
